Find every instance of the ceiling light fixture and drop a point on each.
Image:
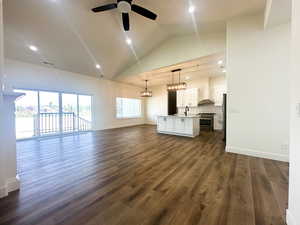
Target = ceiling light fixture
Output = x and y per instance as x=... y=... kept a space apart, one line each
x=220 y=62
x=146 y=92
x=187 y=77
x=224 y=71
x=176 y=86
x=128 y=41
x=33 y=48
x=191 y=9
x=98 y=66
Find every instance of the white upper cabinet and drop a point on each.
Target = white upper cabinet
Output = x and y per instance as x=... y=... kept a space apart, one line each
x=181 y=98
x=188 y=97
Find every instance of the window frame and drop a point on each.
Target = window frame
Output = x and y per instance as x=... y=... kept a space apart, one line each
x=60 y=93
x=128 y=117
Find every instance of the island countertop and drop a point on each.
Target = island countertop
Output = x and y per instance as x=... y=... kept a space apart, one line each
x=180 y=116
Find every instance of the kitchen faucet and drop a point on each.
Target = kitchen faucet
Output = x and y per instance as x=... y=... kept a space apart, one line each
x=186 y=110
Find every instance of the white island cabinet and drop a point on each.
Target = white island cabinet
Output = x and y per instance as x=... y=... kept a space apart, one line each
x=188 y=126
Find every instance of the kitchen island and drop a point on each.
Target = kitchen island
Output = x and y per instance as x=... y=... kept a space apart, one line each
x=181 y=125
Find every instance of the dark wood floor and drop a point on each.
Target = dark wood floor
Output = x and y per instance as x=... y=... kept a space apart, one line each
x=133 y=176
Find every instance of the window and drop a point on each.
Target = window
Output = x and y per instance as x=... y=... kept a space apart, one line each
x=41 y=113
x=128 y=108
x=26 y=111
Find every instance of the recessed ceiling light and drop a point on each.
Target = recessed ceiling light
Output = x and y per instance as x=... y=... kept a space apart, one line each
x=33 y=48
x=98 y=66
x=191 y=9
x=220 y=62
x=128 y=41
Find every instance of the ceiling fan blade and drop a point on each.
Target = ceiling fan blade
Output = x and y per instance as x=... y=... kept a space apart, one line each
x=144 y=12
x=125 y=18
x=105 y=7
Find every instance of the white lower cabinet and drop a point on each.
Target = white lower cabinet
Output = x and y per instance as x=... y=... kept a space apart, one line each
x=182 y=126
x=170 y=124
x=162 y=123
x=188 y=129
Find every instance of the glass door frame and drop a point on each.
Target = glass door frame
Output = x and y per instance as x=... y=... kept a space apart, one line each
x=60 y=111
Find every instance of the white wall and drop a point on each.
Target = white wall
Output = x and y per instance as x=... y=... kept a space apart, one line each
x=104 y=92
x=293 y=216
x=2 y=157
x=179 y=49
x=257 y=79
x=158 y=104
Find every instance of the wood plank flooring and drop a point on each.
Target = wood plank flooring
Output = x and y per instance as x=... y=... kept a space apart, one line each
x=134 y=176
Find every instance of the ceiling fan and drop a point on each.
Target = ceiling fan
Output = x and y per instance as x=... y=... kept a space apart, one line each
x=126 y=6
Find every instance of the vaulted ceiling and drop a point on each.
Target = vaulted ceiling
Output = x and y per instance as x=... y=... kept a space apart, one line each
x=206 y=66
x=73 y=38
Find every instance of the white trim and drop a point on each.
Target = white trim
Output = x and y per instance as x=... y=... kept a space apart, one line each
x=290 y=219
x=150 y=123
x=13 y=184
x=121 y=126
x=3 y=192
x=257 y=153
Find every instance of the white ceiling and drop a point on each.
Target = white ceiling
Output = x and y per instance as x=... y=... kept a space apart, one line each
x=206 y=66
x=73 y=38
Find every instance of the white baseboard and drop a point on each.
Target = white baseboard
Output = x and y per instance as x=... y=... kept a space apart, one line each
x=290 y=219
x=150 y=123
x=12 y=184
x=3 y=192
x=256 y=153
x=120 y=126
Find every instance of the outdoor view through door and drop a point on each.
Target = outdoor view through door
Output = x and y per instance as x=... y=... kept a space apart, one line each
x=41 y=113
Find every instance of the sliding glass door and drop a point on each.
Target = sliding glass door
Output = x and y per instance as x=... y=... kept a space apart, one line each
x=84 y=112
x=26 y=111
x=49 y=116
x=41 y=113
x=69 y=112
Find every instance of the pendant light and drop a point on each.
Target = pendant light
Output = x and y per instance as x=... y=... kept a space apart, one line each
x=176 y=86
x=146 y=93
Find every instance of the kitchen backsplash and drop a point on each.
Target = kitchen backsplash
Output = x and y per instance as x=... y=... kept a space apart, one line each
x=207 y=109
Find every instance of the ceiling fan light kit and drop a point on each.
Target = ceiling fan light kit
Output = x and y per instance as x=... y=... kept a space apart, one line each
x=125 y=7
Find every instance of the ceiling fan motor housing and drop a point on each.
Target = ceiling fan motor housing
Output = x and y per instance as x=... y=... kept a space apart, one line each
x=124 y=6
